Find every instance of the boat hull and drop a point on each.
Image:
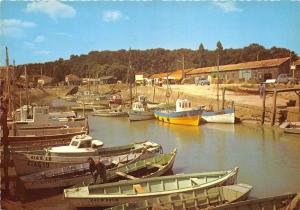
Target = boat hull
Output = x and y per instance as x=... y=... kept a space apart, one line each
x=226 y=116
x=181 y=118
x=86 y=177
x=139 y=116
x=87 y=199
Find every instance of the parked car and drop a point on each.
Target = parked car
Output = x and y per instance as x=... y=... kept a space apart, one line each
x=201 y=81
x=284 y=78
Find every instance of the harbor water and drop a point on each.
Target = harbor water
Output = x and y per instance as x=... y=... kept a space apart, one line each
x=268 y=159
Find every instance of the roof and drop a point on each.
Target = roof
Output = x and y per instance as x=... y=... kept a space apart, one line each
x=241 y=66
x=107 y=77
x=177 y=75
x=72 y=77
x=160 y=75
x=297 y=62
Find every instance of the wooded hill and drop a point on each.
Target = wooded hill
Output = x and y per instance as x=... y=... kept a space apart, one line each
x=116 y=63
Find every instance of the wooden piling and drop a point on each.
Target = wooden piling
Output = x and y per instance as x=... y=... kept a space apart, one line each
x=153 y=93
x=223 y=98
x=274 y=108
x=263 y=108
x=4 y=140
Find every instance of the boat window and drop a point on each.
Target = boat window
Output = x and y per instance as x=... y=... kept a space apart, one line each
x=74 y=143
x=189 y=104
x=180 y=105
x=85 y=144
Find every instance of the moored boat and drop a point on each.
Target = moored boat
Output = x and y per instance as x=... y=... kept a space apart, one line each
x=291 y=127
x=111 y=113
x=222 y=116
x=138 y=112
x=183 y=115
x=74 y=174
x=113 y=194
x=212 y=197
x=281 y=202
x=27 y=162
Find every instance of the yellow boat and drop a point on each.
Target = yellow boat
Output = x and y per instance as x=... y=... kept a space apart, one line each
x=183 y=115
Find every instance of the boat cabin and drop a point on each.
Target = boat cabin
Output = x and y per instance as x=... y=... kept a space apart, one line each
x=138 y=106
x=183 y=105
x=79 y=144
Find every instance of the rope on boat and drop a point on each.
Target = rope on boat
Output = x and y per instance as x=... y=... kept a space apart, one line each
x=295 y=203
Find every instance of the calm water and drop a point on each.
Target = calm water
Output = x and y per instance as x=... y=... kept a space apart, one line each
x=268 y=160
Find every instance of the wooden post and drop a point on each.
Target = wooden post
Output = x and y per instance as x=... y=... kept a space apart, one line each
x=223 y=98
x=263 y=108
x=274 y=107
x=153 y=93
x=130 y=93
x=4 y=140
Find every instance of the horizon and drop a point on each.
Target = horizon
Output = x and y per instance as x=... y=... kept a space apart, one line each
x=39 y=32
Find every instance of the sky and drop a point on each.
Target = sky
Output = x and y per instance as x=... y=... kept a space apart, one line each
x=46 y=31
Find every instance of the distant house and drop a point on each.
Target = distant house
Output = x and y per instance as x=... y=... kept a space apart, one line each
x=108 y=80
x=44 y=80
x=141 y=77
x=255 y=70
x=178 y=75
x=297 y=69
x=72 y=79
x=159 y=77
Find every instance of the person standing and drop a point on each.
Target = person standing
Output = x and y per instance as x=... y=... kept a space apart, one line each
x=97 y=169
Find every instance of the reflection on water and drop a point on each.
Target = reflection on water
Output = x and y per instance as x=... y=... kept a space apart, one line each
x=268 y=159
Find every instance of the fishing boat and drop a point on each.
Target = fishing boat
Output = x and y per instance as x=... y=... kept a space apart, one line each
x=139 y=112
x=113 y=194
x=183 y=115
x=212 y=197
x=119 y=112
x=27 y=162
x=291 y=127
x=75 y=174
x=222 y=116
x=281 y=202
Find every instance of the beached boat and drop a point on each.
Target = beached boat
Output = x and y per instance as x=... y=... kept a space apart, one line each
x=135 y=190
x=139 y=112
x=281 y=202
x=75 y=174
x=183 y=115
x=27 y=162
x=40 y=117
x=222 y=116
x=291 y=127
x=213 y=197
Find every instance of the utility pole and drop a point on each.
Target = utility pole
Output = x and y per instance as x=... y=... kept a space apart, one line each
x=183 y=67
x=218 y=68
x=26 y=87
x=129 y=66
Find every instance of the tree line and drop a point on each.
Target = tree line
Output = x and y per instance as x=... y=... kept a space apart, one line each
x=116 y=63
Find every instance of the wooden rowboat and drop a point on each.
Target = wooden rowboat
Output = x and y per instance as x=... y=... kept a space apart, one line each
x=111 y=114
x=41 y=160
x=212 y=197
x=75 y=174
x=291 y=127
x=134 y=190
x=282 y=202
x=223 y=116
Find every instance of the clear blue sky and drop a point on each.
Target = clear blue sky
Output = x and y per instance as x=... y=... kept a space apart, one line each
x=45 y=31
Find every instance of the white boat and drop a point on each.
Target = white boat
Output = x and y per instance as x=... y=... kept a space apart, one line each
x=291 y=127
x=139 y=112
x=27 y=162
x=118 y=112
x=222 y=116
x=114 y=194
x=80 y=173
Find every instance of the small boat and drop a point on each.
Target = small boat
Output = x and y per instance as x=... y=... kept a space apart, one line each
x=74 y=174
x=118 y=112
x=139 y=112
x=222 y=116
x=212 y=197
x=27 y=162
x=183 y=115
x=291 y=127
x=114 y=194
x=281 y=202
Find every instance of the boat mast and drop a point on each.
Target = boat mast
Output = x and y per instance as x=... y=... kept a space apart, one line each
x=218 y=85
x=8 y=80
x=128 y=77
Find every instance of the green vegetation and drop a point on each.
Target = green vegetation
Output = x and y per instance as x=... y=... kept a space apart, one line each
x=115 y=63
